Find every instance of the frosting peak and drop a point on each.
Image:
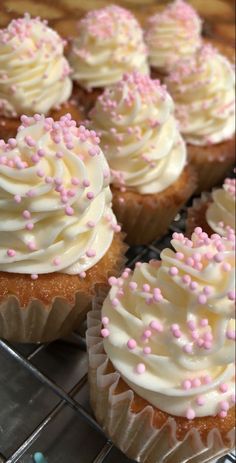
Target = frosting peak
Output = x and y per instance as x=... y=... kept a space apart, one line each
x=109 y=43
x=220 y=214
x=178 y=20
x=203 y=91
x=34 y=74
x=169 y=326
x=55 y=201
x=139 y=134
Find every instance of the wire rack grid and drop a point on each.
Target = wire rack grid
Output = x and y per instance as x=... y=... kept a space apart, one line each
x=44 y=399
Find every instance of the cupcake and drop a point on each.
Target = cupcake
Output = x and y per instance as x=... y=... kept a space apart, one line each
x=203 y=91
x=162 y=351
x=109 y=43
x=146 y=153
x=173 y=34
x=34 y=74
x=57 y=229
x=214 y=212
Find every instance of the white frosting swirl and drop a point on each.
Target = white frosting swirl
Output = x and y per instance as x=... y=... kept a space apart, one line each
x=204 y=95
x=221 y=212
x=169 y=327
x=55 y=200
x=179 y=21
x=109 y=43
x=139 y=134
x=33 y=71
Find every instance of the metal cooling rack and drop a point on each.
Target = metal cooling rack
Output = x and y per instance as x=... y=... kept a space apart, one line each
x=44 y=399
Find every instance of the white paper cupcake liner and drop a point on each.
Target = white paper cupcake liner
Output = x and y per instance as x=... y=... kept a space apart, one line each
x=133 y=432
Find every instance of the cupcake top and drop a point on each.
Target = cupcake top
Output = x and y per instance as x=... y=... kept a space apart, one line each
x=179 y=21
x=220 y=214
x=203 y=90
x=139 y=134
x=34 y=74
x=109 y=43
x=169 y=329
x=55 y=201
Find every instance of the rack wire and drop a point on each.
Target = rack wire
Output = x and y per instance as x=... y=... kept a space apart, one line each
x=44 y=403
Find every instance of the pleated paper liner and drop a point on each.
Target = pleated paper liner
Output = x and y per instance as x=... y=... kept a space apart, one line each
x=212 y=163
x=134 y=432
x=54 y=305
x=145 y=218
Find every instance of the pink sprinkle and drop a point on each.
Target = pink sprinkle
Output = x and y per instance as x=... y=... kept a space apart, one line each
x=147 y=334
x=219 y=257
x=17 y=199
x=190 y=414
x=196 y=382
x=86 y=183
x=207 y=379
x=147 y=350
x=105 y=321
x=34 y=276
x=146 y=288
x=105 y=333
x=231 y=335
x=40 y=173
x=41 y=152
x=82 y=274
x=29 y=141
x=69 y=210
x=173 y=271
x=114 y=302
x=90 y=253
x=140 y=369
x=187 y=384
x=112 y=281
x=224 y=405
x=188 y=348
x=200 y=400
x=208 y=337
x=186 y=279
x=177 y=334
x=91 y=224
x=11 y=253
x=223 y=387
x=56 y=261
x=29 y=226
x=132 y=344
x=26 y=214
x=133 y=286
x=191 y=325
x=179 y=255
x=157 y=326
x=226 y=267
x=231 y=295
x=31 y=246
x=193 y=285
x=202 y=299
x=223 y=414
x=204 y=322
x=74 y=181
x=90 y=195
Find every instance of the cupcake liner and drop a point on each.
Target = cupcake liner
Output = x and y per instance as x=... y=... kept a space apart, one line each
x=212 y=163
x=38 y=322
x=197 y=215
x=132 y=432
x=145 y=218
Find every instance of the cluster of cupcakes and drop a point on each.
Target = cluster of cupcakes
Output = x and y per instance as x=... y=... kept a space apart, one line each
x=159 y=122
